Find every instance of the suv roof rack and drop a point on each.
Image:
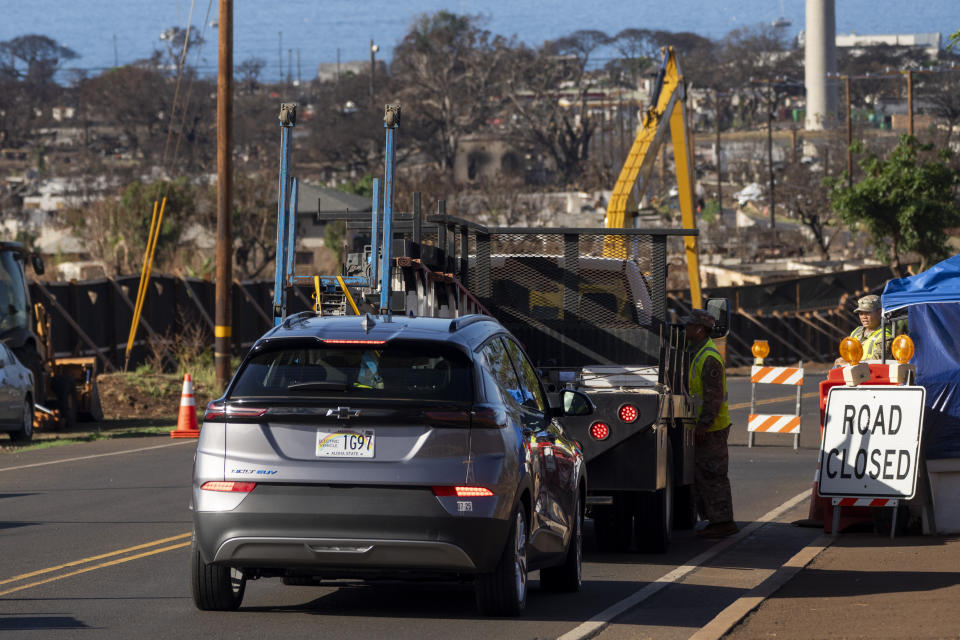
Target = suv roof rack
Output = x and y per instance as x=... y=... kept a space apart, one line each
x=464 y=321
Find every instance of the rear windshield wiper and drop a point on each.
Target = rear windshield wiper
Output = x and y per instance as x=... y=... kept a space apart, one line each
x=317 y=385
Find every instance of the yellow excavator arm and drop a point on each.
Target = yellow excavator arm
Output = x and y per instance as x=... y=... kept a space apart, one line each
x=668 y=111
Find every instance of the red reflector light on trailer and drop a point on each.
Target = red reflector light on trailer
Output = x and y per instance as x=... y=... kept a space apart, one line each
x=599 y=431
x=242 y=487
x=462 y=492
x=628 y=413
x=354 y=341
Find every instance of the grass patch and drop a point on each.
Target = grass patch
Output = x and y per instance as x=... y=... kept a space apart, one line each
x=66 y=438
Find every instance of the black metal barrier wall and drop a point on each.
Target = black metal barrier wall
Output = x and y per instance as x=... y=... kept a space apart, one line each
x=93 y=317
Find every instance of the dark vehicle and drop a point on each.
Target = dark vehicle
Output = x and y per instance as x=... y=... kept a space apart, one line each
x=62 y=387
x=405 y=448
x=16 y=397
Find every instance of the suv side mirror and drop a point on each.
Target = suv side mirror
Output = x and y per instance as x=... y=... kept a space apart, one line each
x=575 y=403
x=37 y=262
x=719 y=308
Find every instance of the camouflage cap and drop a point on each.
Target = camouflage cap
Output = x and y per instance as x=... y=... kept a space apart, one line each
x=867 y=304
x=699 y=316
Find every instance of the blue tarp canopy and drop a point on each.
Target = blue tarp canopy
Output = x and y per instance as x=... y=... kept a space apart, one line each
x=933 y=298
x=939 y=283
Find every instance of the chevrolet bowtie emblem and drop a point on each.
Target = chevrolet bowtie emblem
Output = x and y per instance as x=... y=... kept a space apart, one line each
x=342 y=413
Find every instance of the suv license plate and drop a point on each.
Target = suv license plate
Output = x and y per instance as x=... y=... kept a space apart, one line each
x=345 y=443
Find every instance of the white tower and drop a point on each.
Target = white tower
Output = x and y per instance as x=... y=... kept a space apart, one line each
x=820 y=58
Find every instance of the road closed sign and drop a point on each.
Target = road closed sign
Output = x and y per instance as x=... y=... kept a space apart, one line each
x=871 y=442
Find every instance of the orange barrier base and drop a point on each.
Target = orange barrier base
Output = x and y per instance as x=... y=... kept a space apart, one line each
x=185 y=433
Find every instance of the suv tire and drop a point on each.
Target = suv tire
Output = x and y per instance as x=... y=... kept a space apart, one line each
x=25 y=433
x=216 y=587
x=503 y=591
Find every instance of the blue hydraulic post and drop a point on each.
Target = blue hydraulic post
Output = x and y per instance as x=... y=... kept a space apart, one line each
x=391 y=120
x=288 y=120
x=374 y=234
x=292 y=231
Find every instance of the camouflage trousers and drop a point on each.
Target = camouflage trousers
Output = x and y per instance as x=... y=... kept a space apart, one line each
x=710 y=477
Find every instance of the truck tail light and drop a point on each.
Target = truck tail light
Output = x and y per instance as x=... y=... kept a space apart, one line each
x=628 y=413
x=462 y=492
x=599 y=431
x=242 y=487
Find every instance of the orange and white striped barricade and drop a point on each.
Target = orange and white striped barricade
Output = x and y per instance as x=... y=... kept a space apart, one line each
x=774 y=423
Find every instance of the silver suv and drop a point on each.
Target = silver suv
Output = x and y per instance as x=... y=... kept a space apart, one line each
x=363 y=447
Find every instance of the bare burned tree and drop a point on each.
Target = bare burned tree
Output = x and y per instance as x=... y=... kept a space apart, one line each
x=449 y=73
x=806 y=197
x=548 y=91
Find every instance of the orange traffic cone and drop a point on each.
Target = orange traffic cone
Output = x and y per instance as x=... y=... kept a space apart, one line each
x=187 y=419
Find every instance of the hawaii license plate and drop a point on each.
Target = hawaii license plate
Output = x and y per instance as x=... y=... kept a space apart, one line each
x=345 y=443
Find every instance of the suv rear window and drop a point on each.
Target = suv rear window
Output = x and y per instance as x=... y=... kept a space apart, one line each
x=419 y=370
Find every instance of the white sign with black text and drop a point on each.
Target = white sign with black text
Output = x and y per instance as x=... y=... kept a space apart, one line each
x=871 y=442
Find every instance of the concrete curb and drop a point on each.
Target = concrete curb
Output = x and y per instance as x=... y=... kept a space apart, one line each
x=732 y=615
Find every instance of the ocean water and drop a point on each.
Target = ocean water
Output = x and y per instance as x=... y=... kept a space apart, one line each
x=106 y=32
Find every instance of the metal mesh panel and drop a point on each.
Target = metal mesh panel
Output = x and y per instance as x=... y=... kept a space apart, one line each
x=530 y=277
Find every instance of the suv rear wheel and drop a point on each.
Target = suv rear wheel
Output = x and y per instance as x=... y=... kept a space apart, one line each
x=25 y=433
x=503 y=591
x=216 y=587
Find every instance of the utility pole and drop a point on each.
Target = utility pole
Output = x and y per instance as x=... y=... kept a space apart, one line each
x=770 y=152
x=223 y=328
x=116 y=54
x=910 y=100
x=289 y=67
x=716 y=111
x=846 y=82
x=373 y=68
x=298 y=67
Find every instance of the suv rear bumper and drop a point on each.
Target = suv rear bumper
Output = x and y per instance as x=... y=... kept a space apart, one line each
x=352 y=553
x=350 y=527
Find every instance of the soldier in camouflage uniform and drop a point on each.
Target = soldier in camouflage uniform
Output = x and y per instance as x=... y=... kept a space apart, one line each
x=876 y=343
x=708 y=388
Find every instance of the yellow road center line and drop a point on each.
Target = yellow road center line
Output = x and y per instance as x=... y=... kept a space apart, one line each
x=24 y=576
x=98 y=566
x=746 y=405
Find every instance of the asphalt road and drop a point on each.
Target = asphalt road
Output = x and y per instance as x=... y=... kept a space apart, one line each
x=95 y=538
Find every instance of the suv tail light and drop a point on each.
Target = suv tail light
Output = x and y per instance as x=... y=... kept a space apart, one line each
x=462 y=492
x=242 y=487
x=217 y=410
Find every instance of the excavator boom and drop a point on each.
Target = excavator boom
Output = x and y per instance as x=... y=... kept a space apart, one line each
x=668 y=113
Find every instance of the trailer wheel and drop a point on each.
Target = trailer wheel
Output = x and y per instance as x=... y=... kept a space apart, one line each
x=685 y=507
x=567 y=577
x=654 y=521
x=612 y=526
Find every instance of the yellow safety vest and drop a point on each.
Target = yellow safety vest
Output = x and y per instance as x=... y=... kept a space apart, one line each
x=695 y=384
x=870 y=342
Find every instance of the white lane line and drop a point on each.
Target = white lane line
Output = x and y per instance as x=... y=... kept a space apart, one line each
x=599 y=622
x=738 y=610
x=98 y=455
